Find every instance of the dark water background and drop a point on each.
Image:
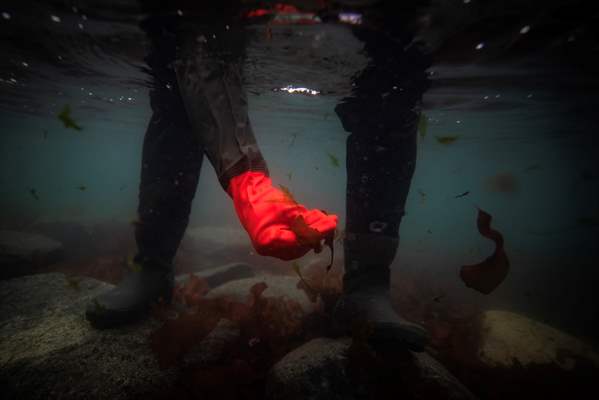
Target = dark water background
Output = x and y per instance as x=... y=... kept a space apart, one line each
x=524 y=109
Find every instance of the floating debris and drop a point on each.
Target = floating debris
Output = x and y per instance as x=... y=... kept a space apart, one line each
x=67 y=120
x=525 y=29
x=487 y=275
x=422 y=125
x=466 y=193
x=446 y=139
x=422 y=196
x=504 y=182
x=480 y=46
x=55 y=18
x=334 y=160
x=293 y=137
x=6 y=15
x=34 y=194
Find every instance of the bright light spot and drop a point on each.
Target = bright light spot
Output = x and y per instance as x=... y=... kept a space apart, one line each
x=59 y=57
x=80 y=26
x=168 y=86
x=480 y=46
x=55 y=18
x=529 y=95
x=466 y=1
x=497 y=96
x=84 y=17
x=486 y=97
x=75 y=10
x=5 y=15
x=458 y=122
x=180 y=13
x=13 y=80
x=227 y=27
x=350 y=18
x=25 y=64
x=300 y=90
x=525 y=29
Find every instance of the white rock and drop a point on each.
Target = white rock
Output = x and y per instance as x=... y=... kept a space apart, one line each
x=508 y=338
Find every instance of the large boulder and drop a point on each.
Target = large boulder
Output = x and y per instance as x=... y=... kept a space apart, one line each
x=509 y=339
x=21 y=253
x=320 y=370
x=48 y=350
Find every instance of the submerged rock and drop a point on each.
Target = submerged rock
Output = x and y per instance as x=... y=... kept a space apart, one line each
x=212 y=239
x=21 y=253
x=48 y=349
x=278 y=286
x=321 y=370
x=222 y=274
x=510 y=339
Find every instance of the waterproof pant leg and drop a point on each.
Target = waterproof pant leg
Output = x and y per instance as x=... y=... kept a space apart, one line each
x=171 y=162
x=209 y=76
x=382 y=118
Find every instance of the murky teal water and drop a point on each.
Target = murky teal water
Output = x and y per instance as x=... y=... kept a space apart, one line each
x=531 y=125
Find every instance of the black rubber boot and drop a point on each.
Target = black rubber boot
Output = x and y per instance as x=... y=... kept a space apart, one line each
x=146 y=284
x=365 y=304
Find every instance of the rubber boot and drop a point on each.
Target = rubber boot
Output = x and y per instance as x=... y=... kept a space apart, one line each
x=146 y=284
x=365 y=304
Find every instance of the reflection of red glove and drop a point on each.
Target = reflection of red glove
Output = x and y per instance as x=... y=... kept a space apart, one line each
x=277 y=225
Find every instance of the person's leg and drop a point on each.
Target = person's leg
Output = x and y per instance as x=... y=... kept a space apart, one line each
x=381 y=158
x=208 y=70
x=209 y=75
x=171 y=161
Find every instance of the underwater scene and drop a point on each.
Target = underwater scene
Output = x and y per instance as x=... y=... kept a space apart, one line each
x=300 y=199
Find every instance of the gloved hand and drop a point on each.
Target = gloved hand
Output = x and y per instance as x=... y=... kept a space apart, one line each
x=277 y=225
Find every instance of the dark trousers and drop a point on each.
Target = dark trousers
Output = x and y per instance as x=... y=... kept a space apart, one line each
x=199 y=107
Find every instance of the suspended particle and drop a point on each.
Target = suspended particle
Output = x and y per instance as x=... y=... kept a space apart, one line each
x=5 y=15
x=24 y=64
x=180 y=13
x=55 y=18
x=80 y=26
x=480 y=46
x=525 y=29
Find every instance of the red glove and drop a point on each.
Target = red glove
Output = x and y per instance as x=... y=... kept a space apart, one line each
x=276 y=224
